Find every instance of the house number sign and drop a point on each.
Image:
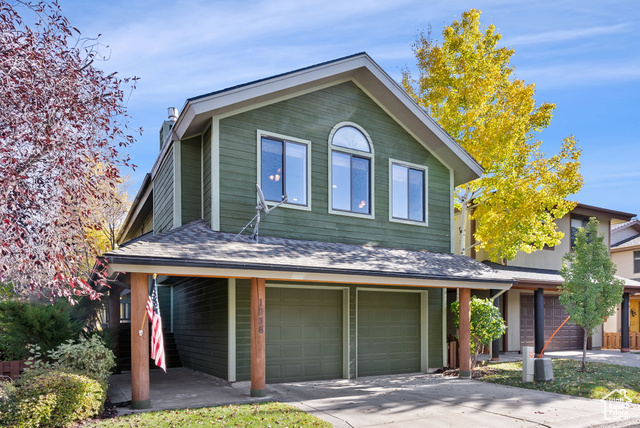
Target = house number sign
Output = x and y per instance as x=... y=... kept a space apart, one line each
x=260 y=316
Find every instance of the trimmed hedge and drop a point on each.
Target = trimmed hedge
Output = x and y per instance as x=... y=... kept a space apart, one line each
x=46 y=398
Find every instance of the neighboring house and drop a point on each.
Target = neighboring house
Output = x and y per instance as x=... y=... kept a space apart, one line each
x=625 y=253
x=534 y=299
x=348 y=277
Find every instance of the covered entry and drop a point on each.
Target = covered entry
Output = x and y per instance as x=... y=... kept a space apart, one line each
x=389 y=332
x=304 y=334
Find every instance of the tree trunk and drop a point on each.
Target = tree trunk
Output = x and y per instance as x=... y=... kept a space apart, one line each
x=584 y=351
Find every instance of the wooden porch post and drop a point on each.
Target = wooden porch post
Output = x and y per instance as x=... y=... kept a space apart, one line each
x=139 y=344
x=465 y=333
x=258 y=347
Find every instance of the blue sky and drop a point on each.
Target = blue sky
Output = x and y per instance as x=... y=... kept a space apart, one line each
x=582 y=55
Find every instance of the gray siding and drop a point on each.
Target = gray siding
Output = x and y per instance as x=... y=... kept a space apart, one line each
x=191 y=184
x=200 y=325
x=163 y=195
x=312 y=117
x=206 y=174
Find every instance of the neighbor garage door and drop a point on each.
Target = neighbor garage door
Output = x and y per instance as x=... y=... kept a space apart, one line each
x=388 y=332
x=303 y=334
x=569 y=336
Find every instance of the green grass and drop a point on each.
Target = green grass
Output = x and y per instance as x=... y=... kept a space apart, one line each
x=245 y=415
x=599 y=380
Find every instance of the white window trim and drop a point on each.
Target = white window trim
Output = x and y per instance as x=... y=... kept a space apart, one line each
x=426 y=193
x=370 y=156
x=260 y=134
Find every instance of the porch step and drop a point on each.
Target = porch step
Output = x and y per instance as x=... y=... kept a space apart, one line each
x=172 y=357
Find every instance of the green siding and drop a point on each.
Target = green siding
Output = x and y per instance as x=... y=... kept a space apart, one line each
x=147 y=224
x=200 y=325
x=434 y=318
x=312 y=117
x=163 y=195
x=191 y=183
x=206 y=174
x=243 y=329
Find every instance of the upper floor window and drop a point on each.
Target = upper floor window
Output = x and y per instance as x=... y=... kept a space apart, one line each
x=408 y=184
x=284 y=169
x=636 y=262
x=576 y=223
x=351 y=170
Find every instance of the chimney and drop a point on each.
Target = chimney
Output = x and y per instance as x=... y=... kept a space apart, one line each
x=168 y=124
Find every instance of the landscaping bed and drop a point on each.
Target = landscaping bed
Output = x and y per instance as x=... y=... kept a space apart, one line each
x=599 y=380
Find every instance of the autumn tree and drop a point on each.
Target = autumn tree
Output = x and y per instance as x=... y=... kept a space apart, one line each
x=59 y=117
x=105 y=221
x=468 y=86
x=590 y=291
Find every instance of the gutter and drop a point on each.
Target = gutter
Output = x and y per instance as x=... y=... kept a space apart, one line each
x=158 y=261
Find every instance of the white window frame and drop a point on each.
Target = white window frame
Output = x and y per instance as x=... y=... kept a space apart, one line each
x=358 y=153
x=426 y=192
x=260 y=134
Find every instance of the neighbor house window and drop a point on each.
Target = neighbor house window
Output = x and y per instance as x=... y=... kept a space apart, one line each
x=284 y=169
x=408 y=192
x=351 y=166
x=577 y=223
x=636 y=262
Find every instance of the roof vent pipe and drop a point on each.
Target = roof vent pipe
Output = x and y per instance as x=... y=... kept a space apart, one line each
x=173 y=114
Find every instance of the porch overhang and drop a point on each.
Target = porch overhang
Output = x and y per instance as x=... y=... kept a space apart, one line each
x=299 y=273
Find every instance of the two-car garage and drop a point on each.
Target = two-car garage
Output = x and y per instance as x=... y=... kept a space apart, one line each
x=308 y=332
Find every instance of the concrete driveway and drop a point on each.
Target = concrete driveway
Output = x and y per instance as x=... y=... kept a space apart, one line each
x=388 y=401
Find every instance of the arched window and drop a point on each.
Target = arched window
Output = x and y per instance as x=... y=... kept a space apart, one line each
x=351 y=170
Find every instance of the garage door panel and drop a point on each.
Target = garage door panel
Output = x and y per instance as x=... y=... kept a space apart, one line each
x=304 y=337
x=388 y=332
x=568 y=337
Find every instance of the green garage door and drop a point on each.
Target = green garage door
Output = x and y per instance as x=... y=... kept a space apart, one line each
x=303 y=334
x=388 y=333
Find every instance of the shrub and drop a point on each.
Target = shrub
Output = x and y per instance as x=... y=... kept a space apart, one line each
x=89 y=356
x=52 y=399
x=24 y=323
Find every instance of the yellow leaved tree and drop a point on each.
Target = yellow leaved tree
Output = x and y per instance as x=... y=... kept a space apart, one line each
x=468 y=86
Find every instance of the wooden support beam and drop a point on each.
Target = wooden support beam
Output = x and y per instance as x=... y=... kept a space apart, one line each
x=139 y=343
x=258 y=346
x=464 y=350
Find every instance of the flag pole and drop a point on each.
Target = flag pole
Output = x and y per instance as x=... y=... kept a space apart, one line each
x=144 y=319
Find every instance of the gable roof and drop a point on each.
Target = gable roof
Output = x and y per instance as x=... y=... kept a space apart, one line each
x=194 y=249
x=358 y=68
x=625 y=235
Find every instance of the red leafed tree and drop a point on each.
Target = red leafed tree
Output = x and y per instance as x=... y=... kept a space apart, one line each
x=59 y=117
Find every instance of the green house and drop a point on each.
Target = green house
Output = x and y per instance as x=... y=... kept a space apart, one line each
x=345 y=278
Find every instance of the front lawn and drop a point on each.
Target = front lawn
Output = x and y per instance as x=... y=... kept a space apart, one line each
x=599 y=380
x=245 y=415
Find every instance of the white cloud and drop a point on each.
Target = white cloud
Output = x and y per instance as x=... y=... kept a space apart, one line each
x=565 y=35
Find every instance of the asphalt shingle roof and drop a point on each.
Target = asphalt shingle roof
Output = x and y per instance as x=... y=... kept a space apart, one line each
x=547 y=275
x=197 y=243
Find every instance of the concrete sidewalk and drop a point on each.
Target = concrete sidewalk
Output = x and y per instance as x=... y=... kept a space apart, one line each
x=417 y=400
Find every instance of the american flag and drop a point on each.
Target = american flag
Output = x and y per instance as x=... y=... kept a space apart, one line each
x=157 y=341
